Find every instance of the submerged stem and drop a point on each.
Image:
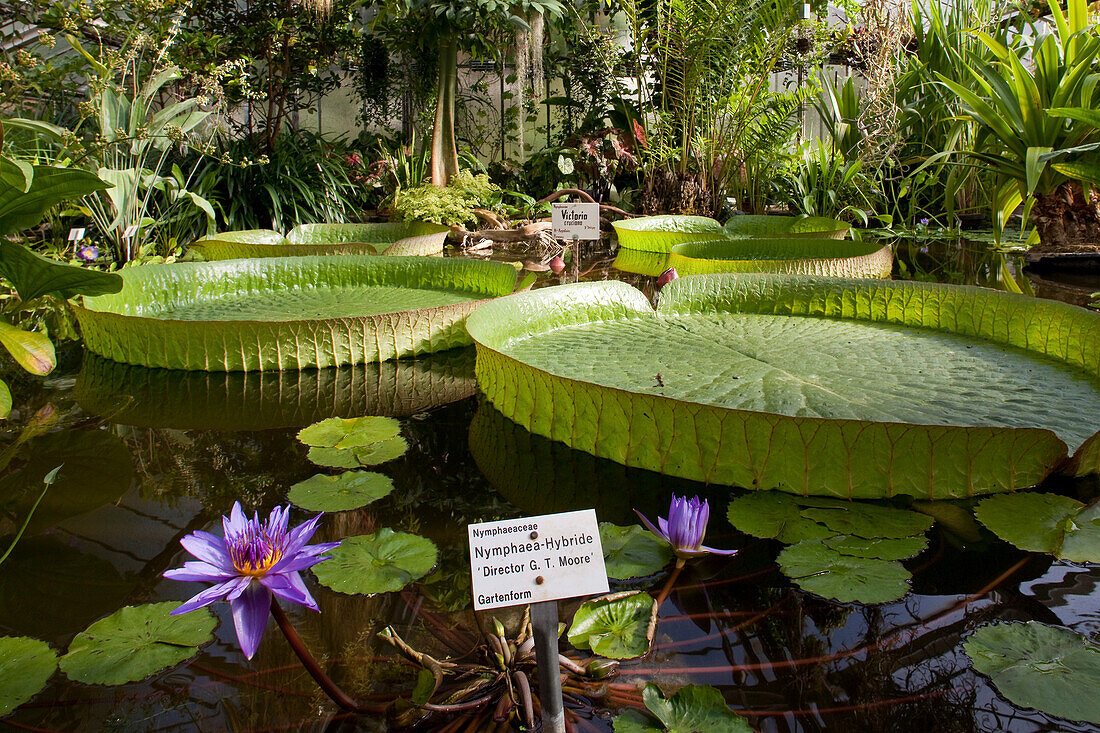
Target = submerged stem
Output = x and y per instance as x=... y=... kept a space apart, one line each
x=329 y=687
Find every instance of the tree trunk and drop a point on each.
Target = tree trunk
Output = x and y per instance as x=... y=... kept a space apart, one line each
x=670 y=192
x=444 y=150
x=1068 y=219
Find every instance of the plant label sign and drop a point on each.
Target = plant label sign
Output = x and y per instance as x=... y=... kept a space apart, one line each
x=535 y=559
x=75 y=235
x=580 y=221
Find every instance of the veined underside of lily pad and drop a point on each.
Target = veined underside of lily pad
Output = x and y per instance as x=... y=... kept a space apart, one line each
x=661 y=233
x=289 y=312
x=827 y=257
x=193 y=400
x=641 y=262
x=815 y=386
x=404 y=238
x=786 y=227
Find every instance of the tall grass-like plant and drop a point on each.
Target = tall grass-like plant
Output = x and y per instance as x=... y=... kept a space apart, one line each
x=1035 y=105
x=825 y=183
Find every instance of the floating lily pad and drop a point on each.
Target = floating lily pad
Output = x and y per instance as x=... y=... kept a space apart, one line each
x=616 y=626
x=773 y=515
x=26 y=665
x=693 y=709
x=883 y=549
x=1038 y=666
x=661 y=233
x=339 y=432
x=802 y=384
x=289 y=312
x=819 y=569
x=371 y=454
x=771 y=225
x=135 y=642
x=391 y=238
x=791 y=256
x=377 y=563
x=1050 y=523
x=348 y=490
x=332 y=457
x=632 y=552
x=869 y=520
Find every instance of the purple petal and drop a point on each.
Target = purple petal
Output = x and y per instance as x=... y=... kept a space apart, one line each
x=199 y=572
x=649 y=525
x=718 y=552
x=301 y=534
x=208 y=548
x=234 y=588
x=250 y=613
x=236 y=522
x=294 y=564
x=276 y=523
x=205 y=598
x=290 y=587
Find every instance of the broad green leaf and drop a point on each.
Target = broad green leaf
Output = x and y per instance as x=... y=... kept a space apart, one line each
x=693 y=709
x=26 y=665
x=1086 y=171
x=172 y=398
x=34 y=275
x=774 y=515
x=632 y=552
x=31 y=350
x=338 y=432
x=641 y=262
x=869 y=520
x=1050 y=523
x=789 y=256
x=881 y=549
x=808 y=385
x=213 y=250
x=374 y=454
x=344 y=491
x=5 y=399
x=635 y=721
x=1038 y=666
x=660 y=233
x=246 y=236
x=819 y=569
x=377 y=563
x=812 y=227
x=135 y=642
x=332 y=457
x=296 y=312
x=615 y=626
x=24 y=208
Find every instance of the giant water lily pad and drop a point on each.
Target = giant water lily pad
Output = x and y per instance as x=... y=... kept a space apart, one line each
x=764 y=226
x=349 y=490
x=1043 y=667
x=789 y=256
x=377 y=563
x=618 y=626
x=807 y=385
x=661 y=233
x=25 y=667
x=1049 y=523
x=820 y=569
x=640 y=261
x=135 y=642
x=391 y=238
x=632 y=552
x=171 y=398
x=691 y=709
x=289 y=312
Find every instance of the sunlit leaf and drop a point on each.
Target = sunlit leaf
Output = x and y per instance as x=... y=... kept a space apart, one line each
x=693 y=709
x=819 y=569
x=1049 y=523
x=377 y=563
x=615 y=626
x=31 y=350
x=883 y=549
x=373 y=454
x=344 y=491
x=774 y=515
x=135 y=642
x=632 y=552
x=26 y=665
x=337 y=432
x=34 y=275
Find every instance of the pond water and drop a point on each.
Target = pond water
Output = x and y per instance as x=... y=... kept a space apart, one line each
x=160 y=454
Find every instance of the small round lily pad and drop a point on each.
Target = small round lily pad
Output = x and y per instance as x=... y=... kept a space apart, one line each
x=1049 y=523
x=773 y=515
x=135 y=642
x=1038 y=666
x=615 y=626
x=822 y=570
x=377 y=563
x=26 y=665
x=693 y=708
x=344 y=491
x=373 y=454
x=339 y=432
x=632 y=552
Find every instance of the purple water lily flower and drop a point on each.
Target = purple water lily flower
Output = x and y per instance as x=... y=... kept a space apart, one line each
x=254 y=560
x=88 y=253
x=685 y=528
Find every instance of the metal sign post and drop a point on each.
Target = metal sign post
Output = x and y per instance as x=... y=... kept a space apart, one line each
x=544 y=622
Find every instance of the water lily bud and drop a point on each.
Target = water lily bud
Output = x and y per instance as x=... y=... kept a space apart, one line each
x=600 y=668
x=557 y=265
x=666 y=277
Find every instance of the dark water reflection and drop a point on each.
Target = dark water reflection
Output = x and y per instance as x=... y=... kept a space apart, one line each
x=154 y=455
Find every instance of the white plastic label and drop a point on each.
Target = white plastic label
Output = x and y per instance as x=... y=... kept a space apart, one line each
x=130 y=231
x=75 y=235
x=575 y=220
x=534 y=559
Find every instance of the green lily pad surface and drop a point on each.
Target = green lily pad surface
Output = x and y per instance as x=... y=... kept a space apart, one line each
x=26 y=665
x=810 y=227
x=349 y=490
x=693 y=709
x=172 y=398
x=615 y=626
x=352 y=432
x=641 y=262
x=1057 y=525
x=391 y=238
x=808 y=385
x=820 y=569
x=788 y=256
x=377 y=563
x=135 y=642
x=661 y=233
x=289 y=312
x=1043 y=667
x=632 y=552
